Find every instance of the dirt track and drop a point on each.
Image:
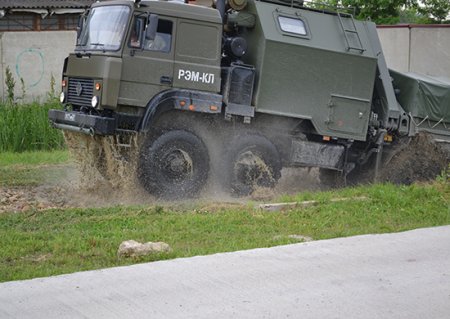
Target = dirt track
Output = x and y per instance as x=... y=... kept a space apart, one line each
x=63 y=188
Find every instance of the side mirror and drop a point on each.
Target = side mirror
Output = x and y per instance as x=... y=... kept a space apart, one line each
x=80 y=25
x=152 y=25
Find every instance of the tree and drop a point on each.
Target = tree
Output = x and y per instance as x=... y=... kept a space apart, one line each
x=380 y=11
x=413 y=16
x=436 y=9
x=396 y=11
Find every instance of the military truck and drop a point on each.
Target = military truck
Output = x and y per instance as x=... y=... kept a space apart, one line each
x=239 y=91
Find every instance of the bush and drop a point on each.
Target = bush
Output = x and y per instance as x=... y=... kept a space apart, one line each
x=25 y=127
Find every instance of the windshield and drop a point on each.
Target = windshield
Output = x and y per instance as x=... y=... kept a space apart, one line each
x=104 y=28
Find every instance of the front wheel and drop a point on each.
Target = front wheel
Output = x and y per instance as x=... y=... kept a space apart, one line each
x=174 y=165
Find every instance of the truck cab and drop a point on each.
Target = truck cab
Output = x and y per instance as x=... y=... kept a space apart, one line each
x=127 y=54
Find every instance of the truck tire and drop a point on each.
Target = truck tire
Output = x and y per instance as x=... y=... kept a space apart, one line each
x=174 y=165
x=251 y=161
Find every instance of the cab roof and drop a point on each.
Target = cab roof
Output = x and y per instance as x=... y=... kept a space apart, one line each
x=171 y=8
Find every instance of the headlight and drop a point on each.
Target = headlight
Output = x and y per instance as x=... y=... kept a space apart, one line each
x=94 y=101
x=62 y=97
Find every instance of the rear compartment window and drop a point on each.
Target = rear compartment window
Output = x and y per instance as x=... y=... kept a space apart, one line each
x=292 y=25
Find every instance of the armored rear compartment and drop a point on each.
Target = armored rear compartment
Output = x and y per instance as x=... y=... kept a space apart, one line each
x=313 y=66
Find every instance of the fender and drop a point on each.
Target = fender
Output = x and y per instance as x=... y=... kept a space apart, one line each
x=180 y=99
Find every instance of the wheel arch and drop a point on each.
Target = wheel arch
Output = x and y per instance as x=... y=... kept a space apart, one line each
x=180 y=99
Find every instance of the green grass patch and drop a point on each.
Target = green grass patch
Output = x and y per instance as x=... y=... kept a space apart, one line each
x=23 y=176
x=34 y=158
x=32 y=168
x=14 y=176
x=36 y=244
x=26 y=127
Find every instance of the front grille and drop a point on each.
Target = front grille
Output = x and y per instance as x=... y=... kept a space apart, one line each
x=80 y=91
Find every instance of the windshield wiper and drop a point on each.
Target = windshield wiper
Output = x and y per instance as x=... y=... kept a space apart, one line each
x=81 y=54
x=97 y=44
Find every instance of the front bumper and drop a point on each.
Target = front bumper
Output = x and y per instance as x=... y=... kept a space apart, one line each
x=82 y=123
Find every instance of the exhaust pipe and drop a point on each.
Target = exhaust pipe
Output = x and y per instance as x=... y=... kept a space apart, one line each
x=220 y=6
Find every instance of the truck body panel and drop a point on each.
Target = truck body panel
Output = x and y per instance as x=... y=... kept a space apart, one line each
x=317 y=78
x=198 y=55
x=389 y=111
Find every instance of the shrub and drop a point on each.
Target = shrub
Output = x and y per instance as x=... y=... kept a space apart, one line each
x=25 y=127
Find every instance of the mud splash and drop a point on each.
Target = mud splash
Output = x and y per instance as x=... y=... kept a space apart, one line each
x=107 y=169
x=104 y=174
x=108 y=174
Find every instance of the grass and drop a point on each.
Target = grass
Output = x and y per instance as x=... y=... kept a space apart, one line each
x=18 y=176
x=34 y=158
x=31 y=168
x=36 y=244
x=26 y=127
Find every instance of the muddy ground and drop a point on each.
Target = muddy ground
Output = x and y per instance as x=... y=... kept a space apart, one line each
x=81 y=185
x=64 y=187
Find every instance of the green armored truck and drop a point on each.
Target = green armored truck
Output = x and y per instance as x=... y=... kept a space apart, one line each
x=238 y=91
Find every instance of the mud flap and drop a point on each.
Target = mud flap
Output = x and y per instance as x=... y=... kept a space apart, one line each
x=310 y=154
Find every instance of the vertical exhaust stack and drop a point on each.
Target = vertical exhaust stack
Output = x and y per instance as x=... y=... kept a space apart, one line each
x=220 y=6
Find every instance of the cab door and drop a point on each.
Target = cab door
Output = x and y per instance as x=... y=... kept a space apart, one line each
x=148 y=64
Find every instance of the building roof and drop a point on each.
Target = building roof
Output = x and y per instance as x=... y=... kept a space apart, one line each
x=46 y=4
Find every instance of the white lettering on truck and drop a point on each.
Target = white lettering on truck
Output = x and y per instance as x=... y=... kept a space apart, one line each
x=196 y=76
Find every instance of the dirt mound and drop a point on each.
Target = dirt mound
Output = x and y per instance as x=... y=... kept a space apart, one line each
x=419 y=159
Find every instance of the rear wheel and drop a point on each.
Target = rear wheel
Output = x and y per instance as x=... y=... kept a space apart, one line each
x=175 y=164
x=252 y=161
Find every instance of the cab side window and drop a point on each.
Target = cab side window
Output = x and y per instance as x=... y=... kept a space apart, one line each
x=163 y=38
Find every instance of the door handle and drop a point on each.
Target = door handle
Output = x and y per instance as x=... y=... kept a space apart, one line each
x=165 y=80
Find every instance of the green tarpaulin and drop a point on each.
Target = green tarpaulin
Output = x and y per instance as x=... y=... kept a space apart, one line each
x=423 y=96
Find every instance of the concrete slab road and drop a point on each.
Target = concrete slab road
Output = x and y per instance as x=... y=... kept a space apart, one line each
x=403 y=275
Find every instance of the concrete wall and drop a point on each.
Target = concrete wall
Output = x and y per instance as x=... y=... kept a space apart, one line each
x=420 y=49
x=395 y=43
x=34 y=57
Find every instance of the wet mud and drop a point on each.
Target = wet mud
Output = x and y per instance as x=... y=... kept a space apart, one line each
x=103 y=174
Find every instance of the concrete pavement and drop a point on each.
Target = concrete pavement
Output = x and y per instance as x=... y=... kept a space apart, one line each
x=402 y=275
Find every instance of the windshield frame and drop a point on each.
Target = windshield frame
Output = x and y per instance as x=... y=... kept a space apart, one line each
x=101 y=34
